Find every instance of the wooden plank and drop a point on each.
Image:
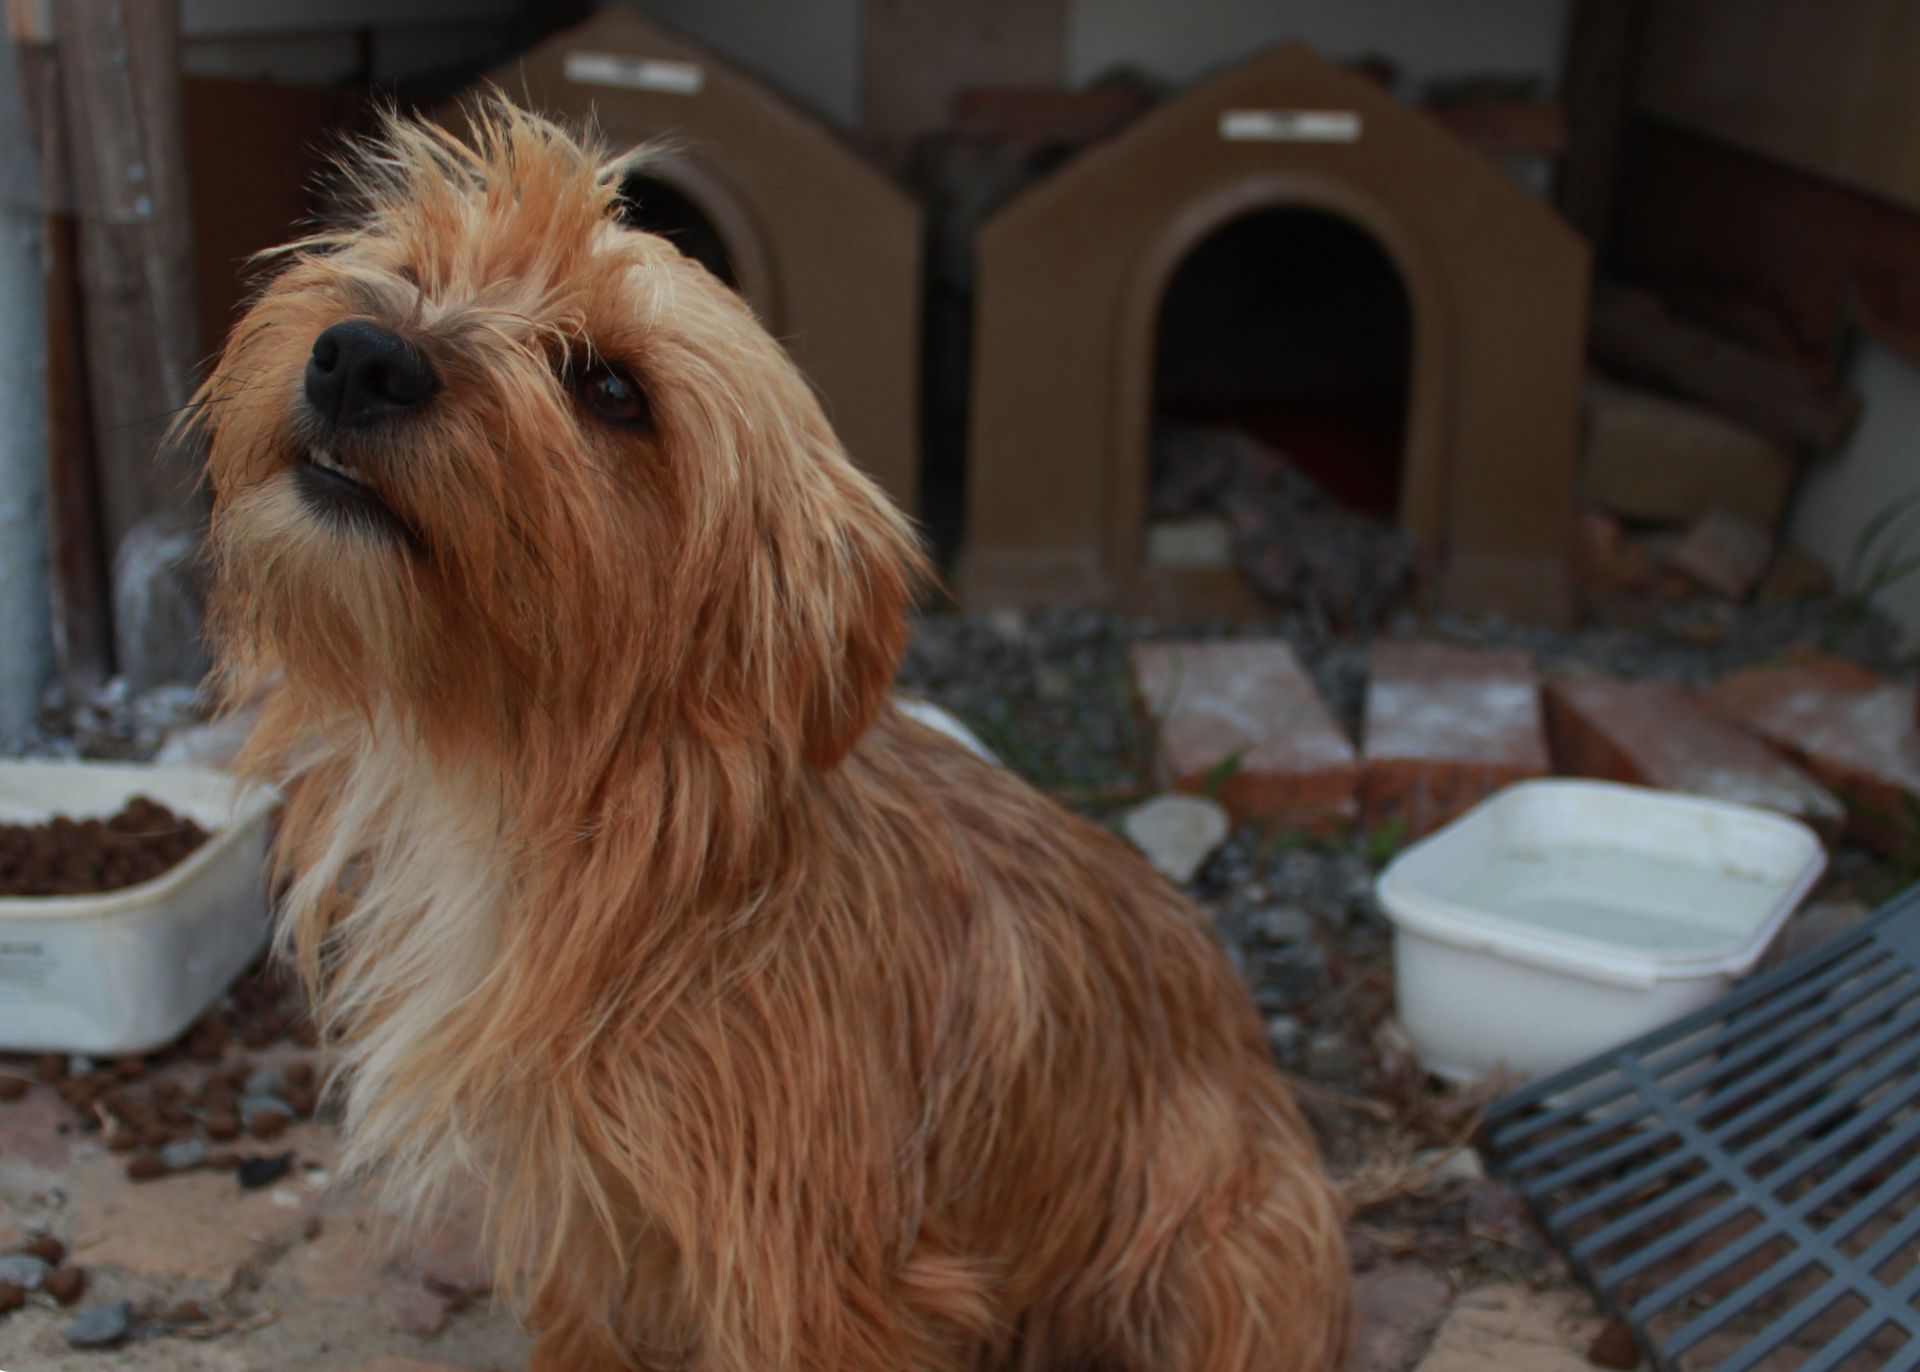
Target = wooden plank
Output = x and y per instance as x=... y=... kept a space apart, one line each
x=1602 y=41
x=1765 y=253
x=82 y=626
x=1635 y=336
x=82 y=622
x=120 y=92
x=1827 y=87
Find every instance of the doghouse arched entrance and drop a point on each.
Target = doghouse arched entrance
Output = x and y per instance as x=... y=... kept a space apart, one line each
x=658 y=206
x=1070 y=283
x=1345 y=229
x=1291 y=327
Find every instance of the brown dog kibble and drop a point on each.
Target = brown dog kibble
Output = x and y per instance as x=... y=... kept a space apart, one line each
x=1614 y=1346
x=13 y=1088
x=11 y=1298
x=268 y=1124
x=46 y=1248
x=145 y=1167
x=65 y=1284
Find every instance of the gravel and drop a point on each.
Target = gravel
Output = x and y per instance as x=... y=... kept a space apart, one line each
x=101 y=1327
x=24 y=1270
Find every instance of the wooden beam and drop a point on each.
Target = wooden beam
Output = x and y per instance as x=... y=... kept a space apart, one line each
x=82 y=626
x=1596 y=86
x=119 y=72
x=1636 y=337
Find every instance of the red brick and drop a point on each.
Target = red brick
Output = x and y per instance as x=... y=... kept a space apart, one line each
x=1659 y=733
x=1445 y=728
x=1851 y=728
x=1250 y=702
x=1726 y=553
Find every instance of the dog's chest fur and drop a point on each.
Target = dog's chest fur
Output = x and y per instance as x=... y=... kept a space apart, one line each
x=409 y=879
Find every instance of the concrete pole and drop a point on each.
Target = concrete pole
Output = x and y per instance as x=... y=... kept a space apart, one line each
x=26 y=635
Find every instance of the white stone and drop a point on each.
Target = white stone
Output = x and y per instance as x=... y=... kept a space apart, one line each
x=944 y=721
x=1176 y=833
x=1203 y=541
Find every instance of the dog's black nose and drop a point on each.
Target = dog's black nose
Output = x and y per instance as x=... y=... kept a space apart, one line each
x=360 y=373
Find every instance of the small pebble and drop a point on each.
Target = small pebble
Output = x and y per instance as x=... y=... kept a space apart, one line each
x=251 y=1105
x=101 y=1327
x=24 y=1270
x=183 y=1154
x=1614 y=1346
x=11 y=1298
x=46 y=1248
x=145 y=1167
x=66 y=1284
x=265 y=1170
x=264 y=1081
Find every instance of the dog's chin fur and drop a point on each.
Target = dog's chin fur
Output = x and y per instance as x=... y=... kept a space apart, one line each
x=781 y=1032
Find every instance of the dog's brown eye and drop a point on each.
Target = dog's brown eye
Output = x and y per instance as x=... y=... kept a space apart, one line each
x=613 y=397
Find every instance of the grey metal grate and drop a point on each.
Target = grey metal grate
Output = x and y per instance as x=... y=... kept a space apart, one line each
x=1743 y=1186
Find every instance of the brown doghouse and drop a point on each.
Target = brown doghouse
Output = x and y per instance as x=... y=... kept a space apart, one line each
x=1071 y=279
x=823 y=245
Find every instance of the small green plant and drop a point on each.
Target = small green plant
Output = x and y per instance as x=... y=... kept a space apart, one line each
x=1880 y=557
x=1386 y=841
x=1215 y=780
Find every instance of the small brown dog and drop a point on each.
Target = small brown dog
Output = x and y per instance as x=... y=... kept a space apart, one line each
x=782 y=1032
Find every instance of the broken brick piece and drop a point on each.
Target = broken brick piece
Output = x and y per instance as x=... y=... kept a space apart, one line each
x=1660 y=733
x=1726 y=553
x=1244 y=722
x=1851 y=728
x=1445 y=728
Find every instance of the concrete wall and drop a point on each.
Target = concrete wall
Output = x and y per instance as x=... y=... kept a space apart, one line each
x=808 y=50
x=1879 y=464
x=1426 y=38
x=813 y=50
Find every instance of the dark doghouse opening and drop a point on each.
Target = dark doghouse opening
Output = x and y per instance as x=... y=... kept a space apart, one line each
x=1280 y=413
x=1295 y=327
x=647 y=202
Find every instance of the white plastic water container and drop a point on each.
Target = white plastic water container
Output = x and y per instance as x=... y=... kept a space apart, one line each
x=127 y=970
x=1557 y=919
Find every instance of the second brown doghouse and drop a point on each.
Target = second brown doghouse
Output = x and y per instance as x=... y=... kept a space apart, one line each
x=824 y=247
x=1073 y=281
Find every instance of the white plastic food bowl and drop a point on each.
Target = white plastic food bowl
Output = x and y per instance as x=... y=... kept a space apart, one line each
x=125 y=971
x=1557 y=919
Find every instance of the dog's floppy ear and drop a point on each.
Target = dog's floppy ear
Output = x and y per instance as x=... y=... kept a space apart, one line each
x=876 y=568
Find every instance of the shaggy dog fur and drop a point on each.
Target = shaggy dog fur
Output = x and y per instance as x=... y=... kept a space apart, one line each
x=781 y=1032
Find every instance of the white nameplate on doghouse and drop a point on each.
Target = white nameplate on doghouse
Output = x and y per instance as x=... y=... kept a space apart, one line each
x=635 y=73
x=1290 y=126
